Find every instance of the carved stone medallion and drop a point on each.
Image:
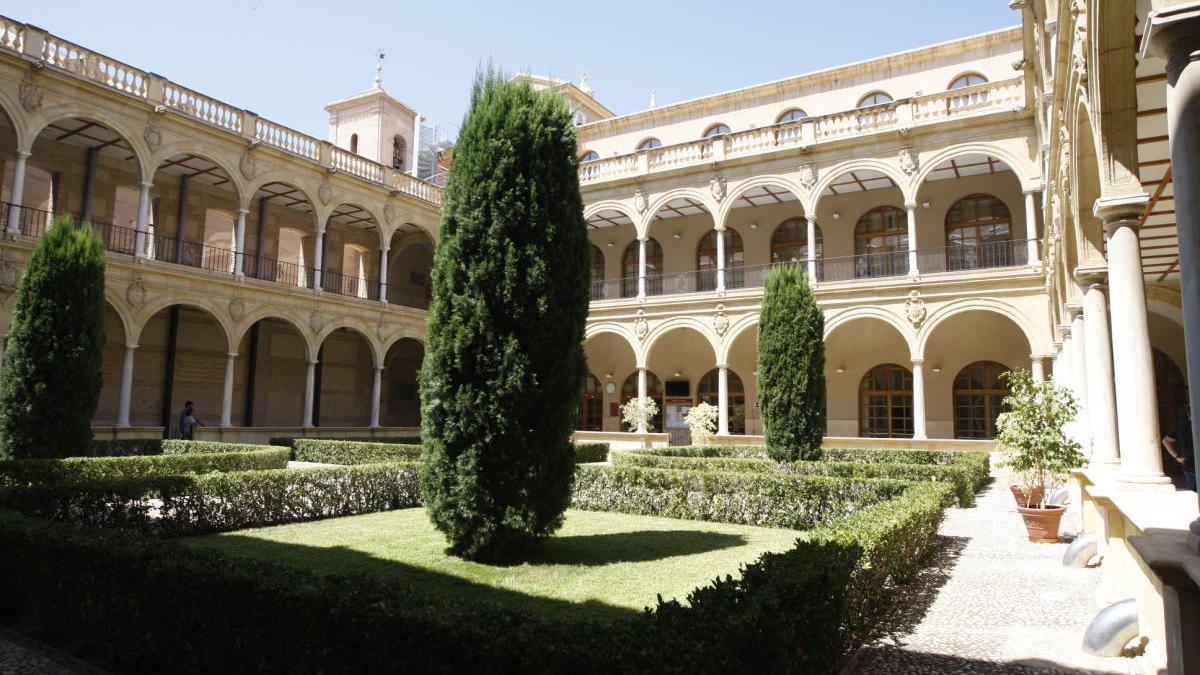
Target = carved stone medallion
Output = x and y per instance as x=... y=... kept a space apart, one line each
x=135 y=294
x=717 y=186
x=808 y=175
x=325 y=192
x=721 y=321
x=316 y=320
x=152 y=136
x=31 y=96
x=237 y=308
x=914 y=308
x=641 y=327
x=908 y=161
x=389 y=213
x=641 y=201
x=246 y=164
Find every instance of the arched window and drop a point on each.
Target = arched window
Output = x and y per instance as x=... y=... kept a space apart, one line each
x=591 y=405
x=881 y=243
x=649 y=144
x=597 y=273
x=791 y=115
x=716 y=130
x=789 y=243
x=978 y=398
x=654 y=390
x=967 y=80
x=399 y=152
x=885 y=399
x=589 y=156
x=1172 y=392
x=874 y=98
x=217 y=252
x=354 y=143
x=709 y=389
x=629 y=269
x=978 y=234
x=706 y=261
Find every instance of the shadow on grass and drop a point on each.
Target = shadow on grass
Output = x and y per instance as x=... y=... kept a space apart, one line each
x=639 y=546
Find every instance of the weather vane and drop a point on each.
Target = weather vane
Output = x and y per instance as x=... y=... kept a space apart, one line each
x=379 y=68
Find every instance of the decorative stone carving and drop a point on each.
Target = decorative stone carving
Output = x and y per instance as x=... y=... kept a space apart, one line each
x=808 y=175
x=641 y=201
x=325 y=192
x=721 y=321
x=1079 y=44
x=237 y=308
x=10 y=277
x=152 y=136
x=135 y=294
x=908 y=161
x=247 y=164
x=914 y=308
x=316 y=320
x=389 y=213
x=1064 y=160
x=381 y=330
x=31 y=96
x=717 y=186
x=641 y=327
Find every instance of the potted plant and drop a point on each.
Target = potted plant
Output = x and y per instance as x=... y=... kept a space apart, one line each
x=702 y=422
x=1038 y=449
x=1024 y=486
x=638 y=411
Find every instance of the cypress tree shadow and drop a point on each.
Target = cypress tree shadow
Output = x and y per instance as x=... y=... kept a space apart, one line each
x=639 y=546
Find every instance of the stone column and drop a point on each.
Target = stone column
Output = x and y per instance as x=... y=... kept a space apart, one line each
x=641 y=395
x=1031 y=232
x=143 y=219
x=641 y=268
x=918 y=373
x=227 y=394
x=722 y=399
x=318 y=260
x=383 y=269
x=912 y=239
x=1079 y=378
x=17 y=192
x=1037 y=368
x=310 y=378
x=126 y=386
x=239 y=253
x=721 y=260
x=811 y=241
x=376 y=390
x=1101 y=399
x=1133 y=364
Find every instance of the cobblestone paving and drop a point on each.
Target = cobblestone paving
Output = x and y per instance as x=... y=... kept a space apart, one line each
x=993 y=602
x=20 y=655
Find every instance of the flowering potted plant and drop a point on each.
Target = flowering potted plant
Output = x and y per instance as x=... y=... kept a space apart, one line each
x=638 y=411
x=1038 y=449
x=702 y=422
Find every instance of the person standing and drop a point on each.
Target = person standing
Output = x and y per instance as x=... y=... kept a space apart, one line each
x=1179 y=445
x=188 y=421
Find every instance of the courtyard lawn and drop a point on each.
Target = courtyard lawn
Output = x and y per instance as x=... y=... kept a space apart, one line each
x=604 y=563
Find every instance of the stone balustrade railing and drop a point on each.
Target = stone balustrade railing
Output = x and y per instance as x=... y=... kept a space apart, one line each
x=990 y=97
x=52 y=51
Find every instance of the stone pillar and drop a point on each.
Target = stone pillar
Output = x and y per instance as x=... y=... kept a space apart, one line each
x=912 y=239
x=310 y=378
x=318 y=259
x=1079 y=378
x=918 y=373
x=1037 y=368
x=1133 y=364
x=227 y=393
x=1031 y=232
x=722 y=399
x=641 y=395
x=641 y=268
x=1101 y=399
x=721 y=260
x=376 y=391
x=239 y=252
x=126 y=386
x=143 y=219
x=17 y=192
x=811 y=241
x=383 y=269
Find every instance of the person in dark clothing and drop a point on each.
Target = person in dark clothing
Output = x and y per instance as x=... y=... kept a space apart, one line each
x=188 y=421
x=1179 y=445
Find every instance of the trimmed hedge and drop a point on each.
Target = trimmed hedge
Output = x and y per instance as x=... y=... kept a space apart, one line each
x=149 y=603
x=184 y=504
x=586 y=453
x=798 y=502
x=174 y=446
x=287 y=441
x=124 y=447
x=706 y=451
x=353 y=452
x=76 y=469
x=968 y=473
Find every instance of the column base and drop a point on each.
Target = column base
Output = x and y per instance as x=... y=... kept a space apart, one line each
x=1144 y=483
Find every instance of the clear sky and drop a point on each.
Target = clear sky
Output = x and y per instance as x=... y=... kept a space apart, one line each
x=284 y=60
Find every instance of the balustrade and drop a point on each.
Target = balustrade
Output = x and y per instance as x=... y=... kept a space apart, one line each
x=11 y=34
x=95 y=67
x=288 y=140
x=357 y=165
x=194 y=104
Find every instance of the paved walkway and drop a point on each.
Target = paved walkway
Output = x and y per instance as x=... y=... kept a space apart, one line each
x=21 y=655
x=993 y=602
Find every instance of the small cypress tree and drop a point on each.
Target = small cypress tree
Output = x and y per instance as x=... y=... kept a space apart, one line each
x=504 y=360
x=791 y=366
x=50 y=384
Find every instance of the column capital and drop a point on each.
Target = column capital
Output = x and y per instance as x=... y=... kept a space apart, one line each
x=1033 y=190
x=719 y=227
x=724 y=366
x=810 y=217
x=377 y=367
x=1074 y=310
x=242 y=211
x=1171 y=30
x=232 y=355
x=911 y=206
x=1118 y=212
x=917 y=361
x=147 y=184
x=1086 y=276
x=24 y=154
x=131 y=346
x=313 y=362
x=643 y=238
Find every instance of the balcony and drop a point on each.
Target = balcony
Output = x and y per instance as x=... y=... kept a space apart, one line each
x=891 y=264
x=901 y=115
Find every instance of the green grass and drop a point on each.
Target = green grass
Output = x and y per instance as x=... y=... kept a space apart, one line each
x=605 y=563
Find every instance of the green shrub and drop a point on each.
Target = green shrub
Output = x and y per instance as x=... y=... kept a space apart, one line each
x=504 y=361
x=791 y=366
x=590 y=452
x=353 y=452
x=390 y=440
x=75 y=469
x=798 y=502
x=222 y=501
x=123 y=447
x=173 y=446
x=50 y=382
x=703 y=451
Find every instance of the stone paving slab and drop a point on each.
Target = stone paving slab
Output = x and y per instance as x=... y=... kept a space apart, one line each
x=22 y=655
x=991 y=601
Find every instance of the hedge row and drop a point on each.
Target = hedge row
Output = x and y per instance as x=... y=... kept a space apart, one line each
x=797 y=502
x=174 y=446
x=353 y=452
x=184 y=504
x=965 y=474
x=75 y=469
x=586 y=453
x=156 y=606
x=391 y=440
x=123 y=447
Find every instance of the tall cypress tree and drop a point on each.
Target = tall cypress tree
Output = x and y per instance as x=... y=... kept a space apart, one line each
x=791 y=366
x=50 y=384
x=504 y=360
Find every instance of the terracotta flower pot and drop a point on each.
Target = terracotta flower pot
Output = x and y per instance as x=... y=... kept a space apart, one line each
x=1042 y=523
x=1025 y=497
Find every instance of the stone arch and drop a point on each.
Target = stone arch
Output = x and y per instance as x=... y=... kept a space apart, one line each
x=905 y=329
x=704 y=197
x=189 y=147
x=320 y=214
x=759 y=181
x=261 y=313
x=1025 y=172
x=855 y=343
x=65 y=111
x=376 y=218
x=834 y=172
x=736 y=329
x=683 y=322
x=1087 y=186
x=404 y=334
x=20 y=123
x=621 y=331
x=121 y=308
x=1004 y=309
x=610 y=205
x=218 y=313
x=328 y=329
